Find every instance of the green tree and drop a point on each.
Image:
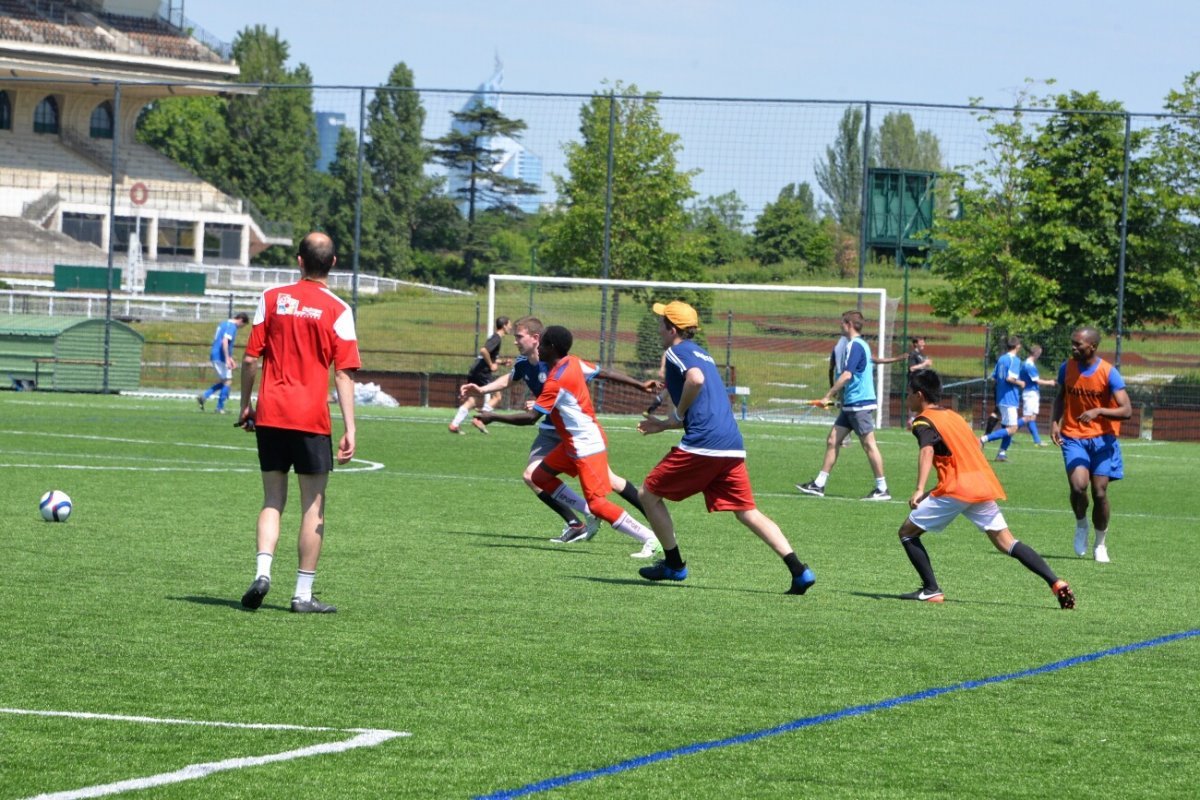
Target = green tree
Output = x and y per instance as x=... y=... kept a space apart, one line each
x=649 y=237
x=339 y=199
x=272 y=152
x=473 y=151
x=839 y=173
x=190 y=131
x=899 y=145
x=720 y=223
x=789 y=229
x=396 y=154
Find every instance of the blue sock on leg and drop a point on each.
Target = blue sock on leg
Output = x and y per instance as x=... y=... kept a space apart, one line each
x=1005 y=442
x=222 y=397
x=999 y=433
x=1033 y=431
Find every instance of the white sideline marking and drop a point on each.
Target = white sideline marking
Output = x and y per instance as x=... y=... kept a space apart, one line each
x=364 y=737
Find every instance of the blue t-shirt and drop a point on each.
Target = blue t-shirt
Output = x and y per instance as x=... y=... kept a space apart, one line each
x=859 y=393
x=1007 y=394
x=226 y=330
x=709 y=428
x=533 y=373
x=1029 y=374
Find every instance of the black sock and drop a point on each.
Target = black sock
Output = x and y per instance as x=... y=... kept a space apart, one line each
x=630 y=495
x=991 y=424
x=673 y=559
x=563 y=510
x=794 y=564
x=920 y=560
x=1033 y=562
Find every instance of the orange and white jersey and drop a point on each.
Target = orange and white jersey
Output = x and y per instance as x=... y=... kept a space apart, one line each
x=566 y=401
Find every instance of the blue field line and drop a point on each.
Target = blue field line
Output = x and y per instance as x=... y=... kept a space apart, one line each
x=833 y=716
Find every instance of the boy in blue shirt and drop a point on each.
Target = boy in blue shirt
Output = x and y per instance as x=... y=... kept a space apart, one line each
x=221 y=355
x=1008 y=397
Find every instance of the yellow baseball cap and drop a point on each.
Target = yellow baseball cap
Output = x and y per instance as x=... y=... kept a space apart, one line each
x=679 y=313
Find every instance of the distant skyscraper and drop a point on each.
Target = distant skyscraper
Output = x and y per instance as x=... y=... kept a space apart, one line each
x=329 y=127
x=514 y=161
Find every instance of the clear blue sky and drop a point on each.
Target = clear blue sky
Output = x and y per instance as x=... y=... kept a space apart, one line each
x=934 y=51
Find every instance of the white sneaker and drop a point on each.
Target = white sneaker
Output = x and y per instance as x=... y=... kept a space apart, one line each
x=649 y=549
x=1101 y=554
x=1081 y=537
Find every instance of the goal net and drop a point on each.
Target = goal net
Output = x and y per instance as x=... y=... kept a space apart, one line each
x=772 y=343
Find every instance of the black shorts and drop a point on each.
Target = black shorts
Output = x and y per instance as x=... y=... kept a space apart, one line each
x=280 y=449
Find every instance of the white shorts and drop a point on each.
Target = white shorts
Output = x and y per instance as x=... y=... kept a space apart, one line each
x=223 y=370
x=1030 y=403
x=1008 y=416
x=935 y=513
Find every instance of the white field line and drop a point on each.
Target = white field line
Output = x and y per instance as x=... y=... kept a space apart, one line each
x=367 y=466
x=364 y=737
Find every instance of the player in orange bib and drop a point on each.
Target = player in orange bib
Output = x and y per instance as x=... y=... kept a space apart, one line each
x=1085 y=423
x=966 y=485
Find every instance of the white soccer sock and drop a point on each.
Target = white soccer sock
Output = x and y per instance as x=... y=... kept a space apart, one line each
x=631 y=527
x=881 y=484
x=821 y=478
x=304 y=584
x=566 y=495
x=1100 y=537
x=459 y=416
x=264 y=565
x=487 y=407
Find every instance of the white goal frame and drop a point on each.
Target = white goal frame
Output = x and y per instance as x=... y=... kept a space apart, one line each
x=857 y=292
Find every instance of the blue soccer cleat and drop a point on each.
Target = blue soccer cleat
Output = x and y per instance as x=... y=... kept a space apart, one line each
x=803 y=582
x=661 y=571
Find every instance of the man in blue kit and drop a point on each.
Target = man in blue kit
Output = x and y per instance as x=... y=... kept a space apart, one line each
x=1008 y=397
x=221 y=355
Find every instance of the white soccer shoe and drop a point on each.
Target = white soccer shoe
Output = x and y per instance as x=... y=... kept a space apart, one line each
x=649 y=549
x=1081 y=537
x=1101 y=554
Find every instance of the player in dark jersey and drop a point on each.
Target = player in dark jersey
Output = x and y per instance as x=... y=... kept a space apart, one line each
x=487 y=363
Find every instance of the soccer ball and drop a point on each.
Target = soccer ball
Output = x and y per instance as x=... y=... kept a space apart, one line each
x=55 y=506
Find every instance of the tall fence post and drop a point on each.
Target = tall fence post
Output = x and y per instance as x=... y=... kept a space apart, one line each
x=1120 y=321
x=358 y=201
x=863 y=202
x=605 y=262
x=112 y=232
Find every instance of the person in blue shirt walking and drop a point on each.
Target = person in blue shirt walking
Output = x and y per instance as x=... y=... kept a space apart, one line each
x=1007 y=376
x=221 y=355
x=856 y=382
x=709 y=459
x=1031 y=395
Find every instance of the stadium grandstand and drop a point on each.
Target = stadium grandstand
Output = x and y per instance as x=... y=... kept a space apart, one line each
x=58 y=62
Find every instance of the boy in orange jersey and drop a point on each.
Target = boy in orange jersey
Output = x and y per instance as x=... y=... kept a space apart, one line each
x=965 y=485
x=1088 y=409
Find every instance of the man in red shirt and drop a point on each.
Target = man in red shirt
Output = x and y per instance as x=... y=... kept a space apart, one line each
x=299 y=331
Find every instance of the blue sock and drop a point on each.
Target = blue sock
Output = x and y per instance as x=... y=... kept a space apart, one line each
x=999 y=433
x=216 y=387
x=1033 y=431
x=1006 y=441
x=222 y=397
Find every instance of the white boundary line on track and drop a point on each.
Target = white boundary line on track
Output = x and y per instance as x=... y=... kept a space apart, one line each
x=364 y=737
x=368 y=466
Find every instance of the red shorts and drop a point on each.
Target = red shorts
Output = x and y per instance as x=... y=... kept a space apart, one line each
x=592 y=471
x=724 y=481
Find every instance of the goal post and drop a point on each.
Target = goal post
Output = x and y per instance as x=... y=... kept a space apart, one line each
x=771 y=342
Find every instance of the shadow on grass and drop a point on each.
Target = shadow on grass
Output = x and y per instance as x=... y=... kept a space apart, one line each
x=224 y=601
x=947 y=601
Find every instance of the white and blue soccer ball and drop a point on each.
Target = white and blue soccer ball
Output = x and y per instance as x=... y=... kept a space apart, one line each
x=55 y=506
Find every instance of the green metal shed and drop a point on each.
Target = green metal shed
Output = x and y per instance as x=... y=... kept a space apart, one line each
x=67 y=353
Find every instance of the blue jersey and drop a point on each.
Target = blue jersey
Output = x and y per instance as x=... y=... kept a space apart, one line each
x=226 y=330
x=709 y=428
x=859 y=393
x=1007 y=394
x=533 y=373
x=1029 y=374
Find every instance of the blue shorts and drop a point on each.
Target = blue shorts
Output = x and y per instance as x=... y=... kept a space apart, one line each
x=1100 y=455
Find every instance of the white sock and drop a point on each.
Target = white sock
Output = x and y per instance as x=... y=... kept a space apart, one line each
x=566 y=495
x=264 y=565
x=459 y=416
x=881 y=484
x=487 y=407
x=304 y=584
x=1100 y=537
x=631 y=527
x=820 y=479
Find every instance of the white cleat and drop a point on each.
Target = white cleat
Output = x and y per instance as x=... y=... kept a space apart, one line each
x=1081 y=537
x=1101 y=554
x=649 y=550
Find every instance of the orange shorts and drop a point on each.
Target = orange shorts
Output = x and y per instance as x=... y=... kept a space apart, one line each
x=592 y=471
x=724 y=481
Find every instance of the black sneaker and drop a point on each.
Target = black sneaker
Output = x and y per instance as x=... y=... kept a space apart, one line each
x=811 y=488
x=200 y=400
x=258 y=590
x=311 y=606
x=877 y=495
x=925 y=596
x=803 y=582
